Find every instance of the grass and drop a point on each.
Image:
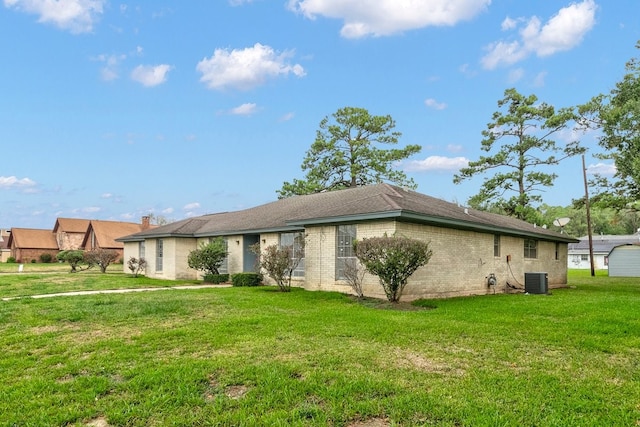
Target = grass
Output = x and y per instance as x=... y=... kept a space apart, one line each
x=37 y=279
x=256 y=357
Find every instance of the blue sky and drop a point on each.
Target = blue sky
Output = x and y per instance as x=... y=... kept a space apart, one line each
x=114 y=110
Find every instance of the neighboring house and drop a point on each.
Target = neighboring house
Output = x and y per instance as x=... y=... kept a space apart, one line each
x=468 y=245
x=5 y=251
x=70 y=232
x=624 y=261
x=28 y=244
x=602 y=245
x=103 y=234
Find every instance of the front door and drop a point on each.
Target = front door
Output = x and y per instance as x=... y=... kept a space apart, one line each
x=250 y=264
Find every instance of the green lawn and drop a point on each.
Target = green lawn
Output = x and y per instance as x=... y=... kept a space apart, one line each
x=258 y=357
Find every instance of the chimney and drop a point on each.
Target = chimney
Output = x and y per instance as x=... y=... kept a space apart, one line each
x=145 y=222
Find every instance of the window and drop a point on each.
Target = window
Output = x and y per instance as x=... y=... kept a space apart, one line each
x=159 y=254
x=584 y=257
x=141 y=249
x=224 y=267
x=530 y=248
x=345 y=236
x=296 y=242
x=496 y=245
x=557 y=251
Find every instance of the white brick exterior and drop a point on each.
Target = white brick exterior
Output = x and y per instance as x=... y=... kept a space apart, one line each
x=461 y=262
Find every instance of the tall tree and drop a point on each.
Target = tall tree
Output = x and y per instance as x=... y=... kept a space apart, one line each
x=519 y=140
x=344 y=154
x=617 y=117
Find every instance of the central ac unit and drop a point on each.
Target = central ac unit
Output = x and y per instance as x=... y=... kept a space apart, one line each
x=536 y=283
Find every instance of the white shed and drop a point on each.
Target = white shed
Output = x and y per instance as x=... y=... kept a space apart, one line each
x=624 y=261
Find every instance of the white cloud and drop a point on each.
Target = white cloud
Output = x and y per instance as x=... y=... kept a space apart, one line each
x=110 y=70
x=106 y=195
x=436 y=163
x=515 y=75
x=246 y=68
x=538 y=81
x=190 y=206
x=602 y=169
x=364 y=18
x=562 y=32
x=77 y=16
x=12 y=182
x=454 y=148
x=151 y=75
x=239 y=2
x=169 y=210
x=245 y=109
x=88 y=209
x=287 y=117
x=509 y=24
x=432 y=103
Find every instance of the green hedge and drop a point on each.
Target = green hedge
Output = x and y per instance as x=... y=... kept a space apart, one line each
x=216 y=278
x=246 y=279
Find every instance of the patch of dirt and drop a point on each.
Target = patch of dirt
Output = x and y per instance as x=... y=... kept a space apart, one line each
x=371 y=422
x=98 y=422
x=236 y=391
x=382 y=304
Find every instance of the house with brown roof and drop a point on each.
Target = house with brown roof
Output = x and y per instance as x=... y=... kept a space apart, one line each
x=28 y=244
x=70 y=232
x=103 y=234
x=5 y=251
x=468 y=245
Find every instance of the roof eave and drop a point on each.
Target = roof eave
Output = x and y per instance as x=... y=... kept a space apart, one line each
x=476 y=226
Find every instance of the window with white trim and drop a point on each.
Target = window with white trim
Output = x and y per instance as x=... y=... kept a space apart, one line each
x=345 y=236
x=295 y=241
x=159 y=254
x=530 y=248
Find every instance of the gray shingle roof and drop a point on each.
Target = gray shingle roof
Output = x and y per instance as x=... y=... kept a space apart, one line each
x=604 y=243
x=354 y=204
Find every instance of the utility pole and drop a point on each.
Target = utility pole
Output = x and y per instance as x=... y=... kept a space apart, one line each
x=586 y=204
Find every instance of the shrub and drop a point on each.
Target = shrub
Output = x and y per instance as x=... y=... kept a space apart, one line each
x=393 y=260
x=101 y=257
x=279 y=262
x=136 y=265
x=209 y=257
x=216 y=278
x=75 y=258
x=46 y=258
x=246 y=279
x=11 y=260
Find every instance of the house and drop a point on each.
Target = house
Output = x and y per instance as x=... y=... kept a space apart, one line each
x=29 y=244
x=602 y=246
x=5 y=251
x=70 y=232
x=103 y=234
x=624 y=261
x=468 y=245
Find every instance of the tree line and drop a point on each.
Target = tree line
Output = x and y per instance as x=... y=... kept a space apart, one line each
x=522 y=151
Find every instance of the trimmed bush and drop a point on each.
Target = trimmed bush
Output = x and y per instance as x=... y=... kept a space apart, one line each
x=11 y=260
x=246 y=279
x=46 y=258
x=216 y=278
